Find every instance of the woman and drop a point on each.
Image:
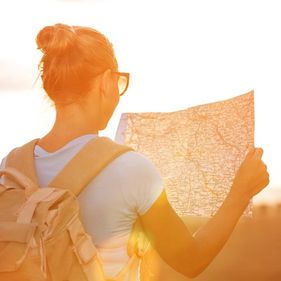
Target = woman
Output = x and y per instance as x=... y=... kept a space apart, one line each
x=80 y=75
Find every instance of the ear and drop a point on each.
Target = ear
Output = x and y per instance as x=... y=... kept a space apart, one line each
x=105 y=79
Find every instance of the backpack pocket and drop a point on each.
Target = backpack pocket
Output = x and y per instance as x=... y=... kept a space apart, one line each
x=85 y=251
x=15 y=242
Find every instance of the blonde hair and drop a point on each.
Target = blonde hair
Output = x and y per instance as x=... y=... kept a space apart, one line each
x=72 y=57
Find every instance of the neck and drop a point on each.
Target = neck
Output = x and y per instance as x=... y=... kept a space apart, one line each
x=71 y=122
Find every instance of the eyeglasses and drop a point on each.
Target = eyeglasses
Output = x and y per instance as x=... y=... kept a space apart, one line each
x=123 y=81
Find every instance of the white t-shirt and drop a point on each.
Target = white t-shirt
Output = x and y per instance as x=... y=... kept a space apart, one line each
x=128 y=186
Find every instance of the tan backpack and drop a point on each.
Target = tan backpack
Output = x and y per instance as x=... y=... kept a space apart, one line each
x=41 y=235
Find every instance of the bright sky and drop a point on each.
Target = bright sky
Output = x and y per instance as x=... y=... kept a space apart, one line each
x=180 y=53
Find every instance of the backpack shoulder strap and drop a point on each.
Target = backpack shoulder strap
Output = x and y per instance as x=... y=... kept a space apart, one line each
x=87 y=163
x=22 y=159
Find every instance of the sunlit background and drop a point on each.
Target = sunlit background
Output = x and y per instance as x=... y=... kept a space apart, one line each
x=180 y=53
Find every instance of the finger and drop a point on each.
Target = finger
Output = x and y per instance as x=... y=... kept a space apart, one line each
x=261 y=179
x=261 y=171
x=261 y=167
x=261 y=184
x=264 y=165
x=258 y=153
x=265 y=182
x=251 y=152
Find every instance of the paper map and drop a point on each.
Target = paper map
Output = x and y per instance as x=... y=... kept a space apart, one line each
x=197 y=150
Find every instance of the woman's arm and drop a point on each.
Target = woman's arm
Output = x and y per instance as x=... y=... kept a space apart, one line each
x=188 y=254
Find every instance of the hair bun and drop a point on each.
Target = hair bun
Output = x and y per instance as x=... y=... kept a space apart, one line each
x=56 y=39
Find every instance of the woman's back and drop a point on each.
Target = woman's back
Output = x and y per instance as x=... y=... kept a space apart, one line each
x=110 y=204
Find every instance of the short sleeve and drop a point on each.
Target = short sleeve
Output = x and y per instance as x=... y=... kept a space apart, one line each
x=144 y=183
x=3 y=162
x=2 y=166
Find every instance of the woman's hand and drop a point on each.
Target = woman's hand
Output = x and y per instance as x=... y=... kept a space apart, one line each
x=251 y=177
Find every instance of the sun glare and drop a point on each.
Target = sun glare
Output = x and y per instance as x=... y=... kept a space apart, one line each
x=179 y=54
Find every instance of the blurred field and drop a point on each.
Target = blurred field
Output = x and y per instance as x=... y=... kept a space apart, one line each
x=253 y=253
